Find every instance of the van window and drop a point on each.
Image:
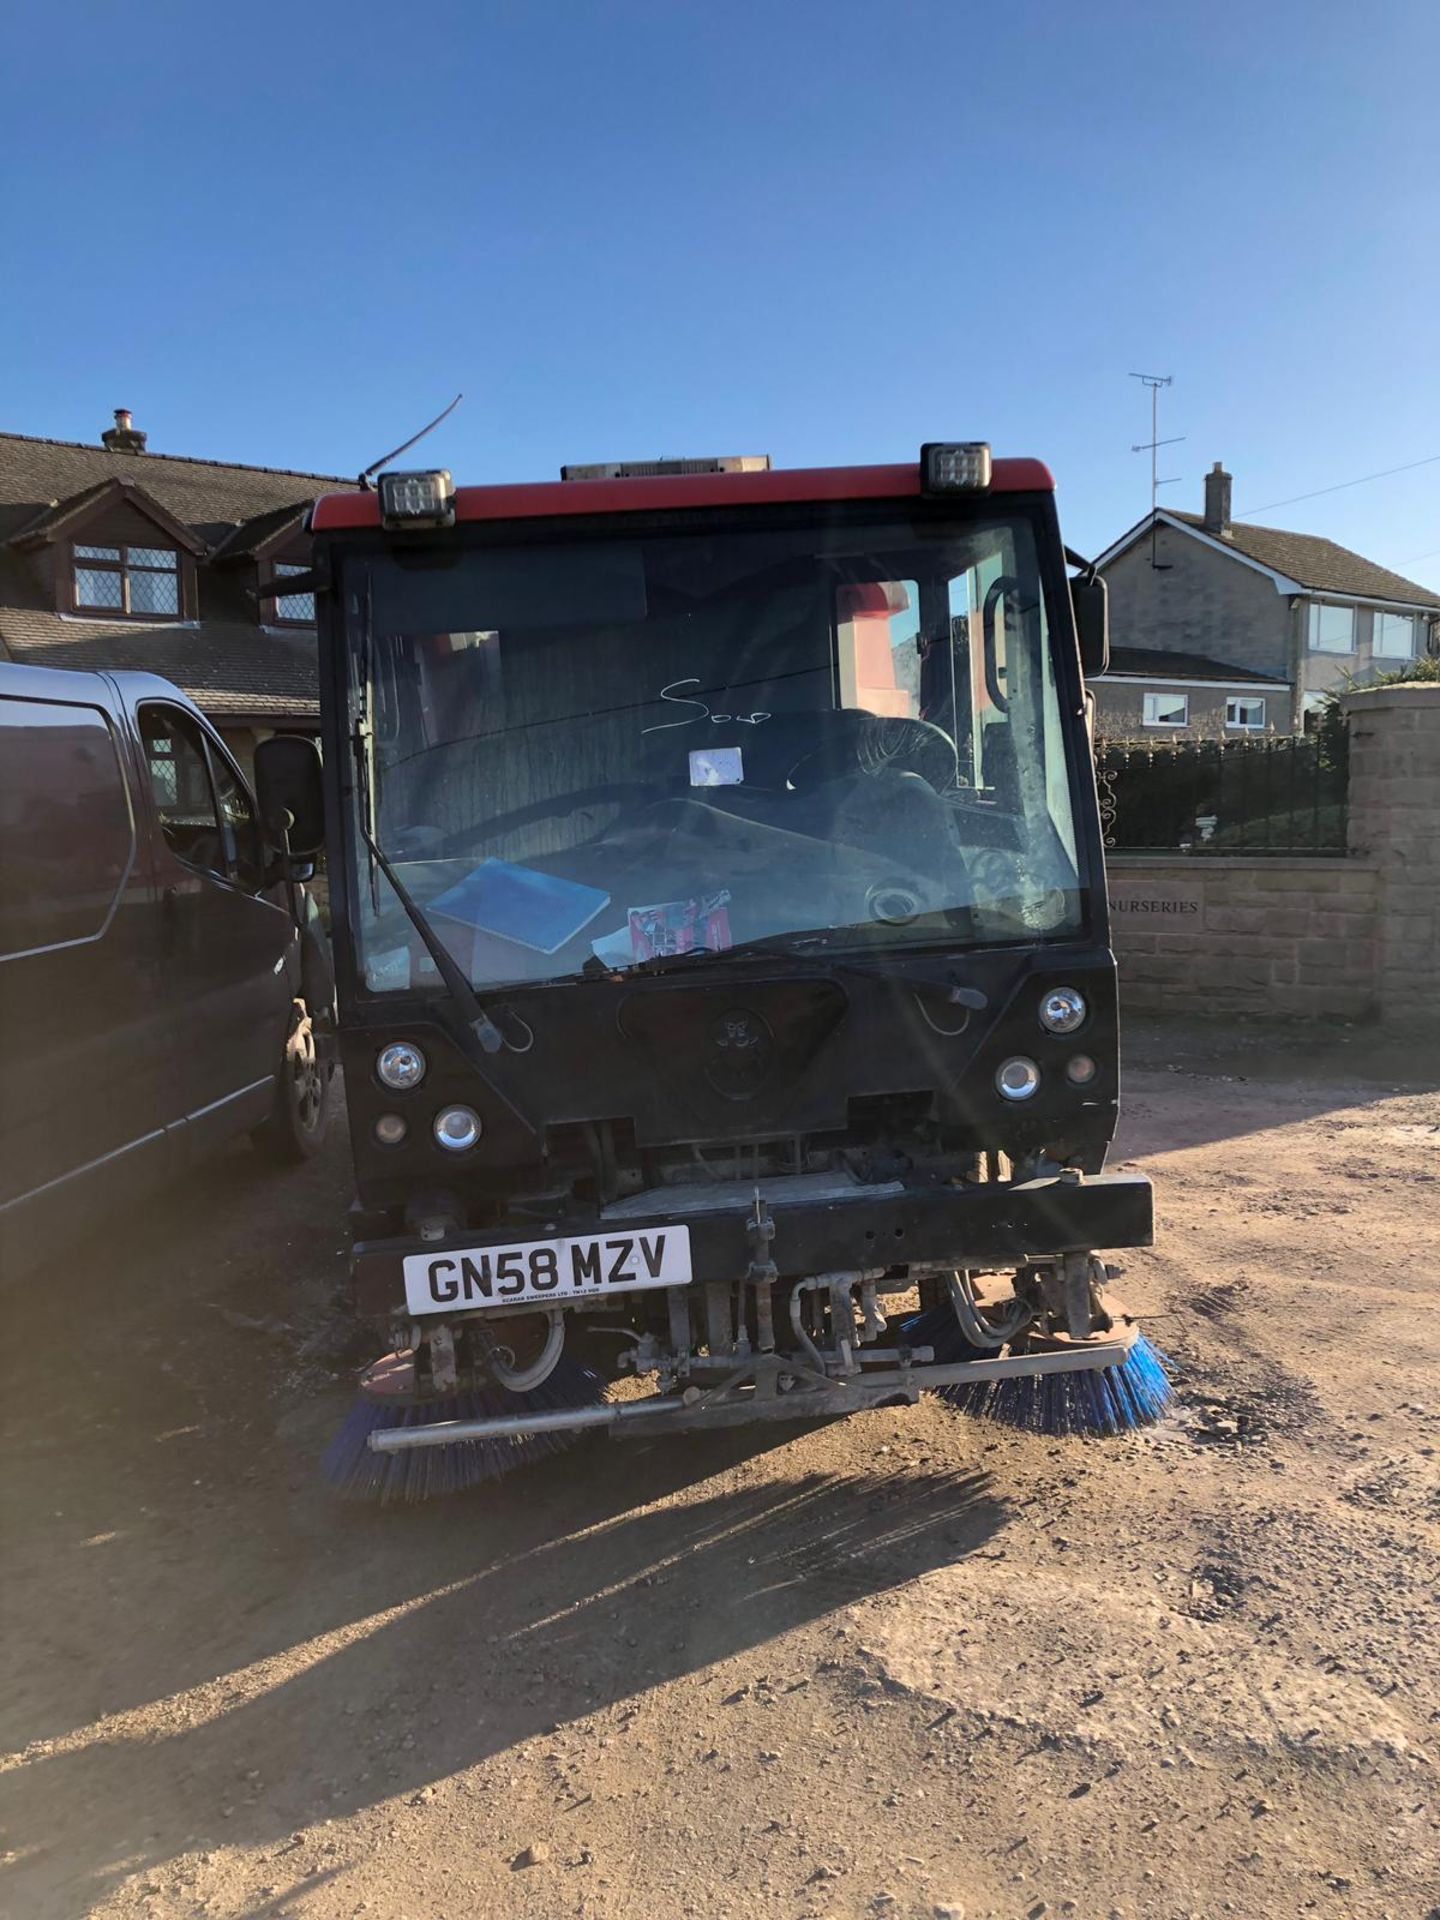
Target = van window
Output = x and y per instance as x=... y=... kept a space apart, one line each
x=240 y=833
x=180 y=782
x=206 y=815
x=66 y=831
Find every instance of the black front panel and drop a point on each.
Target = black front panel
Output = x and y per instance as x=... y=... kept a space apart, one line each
x=855 y=1059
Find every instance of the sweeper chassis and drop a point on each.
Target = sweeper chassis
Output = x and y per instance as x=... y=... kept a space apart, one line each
x=1059 y=1320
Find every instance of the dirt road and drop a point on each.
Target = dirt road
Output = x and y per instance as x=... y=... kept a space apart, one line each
x=900 y=1666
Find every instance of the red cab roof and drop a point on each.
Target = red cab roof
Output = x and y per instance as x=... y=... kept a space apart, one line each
x=550 y=499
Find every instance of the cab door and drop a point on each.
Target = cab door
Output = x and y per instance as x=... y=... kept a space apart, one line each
x=229 y=954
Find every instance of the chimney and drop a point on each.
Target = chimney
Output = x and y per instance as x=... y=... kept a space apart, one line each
x=122 y=437
x=1217 y=502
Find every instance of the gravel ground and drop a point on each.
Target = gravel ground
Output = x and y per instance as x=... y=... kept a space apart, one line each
x=905 y=1665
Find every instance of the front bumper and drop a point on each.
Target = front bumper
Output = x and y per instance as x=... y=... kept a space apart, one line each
x=985 y=1228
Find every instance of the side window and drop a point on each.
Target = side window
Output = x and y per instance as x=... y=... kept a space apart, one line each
x=180 y=781
x=66 y=831
x=877 y=647
x=980 y=622
x=239 y=832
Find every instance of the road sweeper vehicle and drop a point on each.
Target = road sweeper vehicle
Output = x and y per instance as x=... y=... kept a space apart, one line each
x=725 y=998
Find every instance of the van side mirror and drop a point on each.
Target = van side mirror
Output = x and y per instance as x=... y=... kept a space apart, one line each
x=287 y=782
x=1090 y=598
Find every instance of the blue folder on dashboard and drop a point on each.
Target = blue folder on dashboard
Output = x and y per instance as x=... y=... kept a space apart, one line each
x=535 y=910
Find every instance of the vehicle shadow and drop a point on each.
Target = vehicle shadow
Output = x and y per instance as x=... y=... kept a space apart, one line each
x=529 y=1613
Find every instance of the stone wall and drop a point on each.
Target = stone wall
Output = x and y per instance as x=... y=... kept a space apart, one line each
x=1238 y=935
x=1352 y=938
x=1395 y=825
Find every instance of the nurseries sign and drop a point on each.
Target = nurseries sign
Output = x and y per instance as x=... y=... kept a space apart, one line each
x=1155 y=902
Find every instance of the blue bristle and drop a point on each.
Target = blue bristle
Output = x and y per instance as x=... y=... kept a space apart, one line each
x=1111 y=1400
x=427 y=1473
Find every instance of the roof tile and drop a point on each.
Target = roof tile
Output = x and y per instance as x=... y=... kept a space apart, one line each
x=1155 y=662
x=1317 y=564
x=228 y=666
x=225 y=667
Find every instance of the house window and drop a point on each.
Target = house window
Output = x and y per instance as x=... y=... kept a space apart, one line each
x=1245 y=711
x=1312 y=711
x=1394 y=636
x=1167 y=709
x=138 y=582
x=1332 y=629
x=293 y=609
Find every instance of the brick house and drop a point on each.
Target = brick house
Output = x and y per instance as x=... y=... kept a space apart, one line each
x=1220 y=627
x=113 y=556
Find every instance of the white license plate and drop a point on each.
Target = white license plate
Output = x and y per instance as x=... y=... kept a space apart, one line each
x=548 y=1273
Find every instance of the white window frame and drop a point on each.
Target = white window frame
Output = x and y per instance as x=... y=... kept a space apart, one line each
x=1378 y=627
x=1313 y=623
x=1234 y=702
x=1150 y=704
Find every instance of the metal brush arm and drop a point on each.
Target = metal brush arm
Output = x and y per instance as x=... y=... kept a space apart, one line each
x=874 y=1389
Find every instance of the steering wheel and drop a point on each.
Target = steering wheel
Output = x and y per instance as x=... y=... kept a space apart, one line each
x=873 y=743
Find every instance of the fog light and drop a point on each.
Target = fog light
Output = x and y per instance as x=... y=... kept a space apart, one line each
x=457 y=1128
x=1018 y=1078
x=390 y=1129
x=1081 y=1070
x=400 y=1066
x=1062 y=1010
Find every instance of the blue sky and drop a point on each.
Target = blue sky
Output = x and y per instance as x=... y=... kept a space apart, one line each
x=823 y=229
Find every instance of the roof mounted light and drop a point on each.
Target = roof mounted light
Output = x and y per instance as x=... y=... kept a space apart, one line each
x=417 y=499
x=665 y=469
x=955 y=466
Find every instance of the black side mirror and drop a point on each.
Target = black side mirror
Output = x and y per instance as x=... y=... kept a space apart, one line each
x=289 y=793
x=1090 y=598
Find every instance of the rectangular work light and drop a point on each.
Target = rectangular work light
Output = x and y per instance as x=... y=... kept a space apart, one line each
x=417 y=499
x=955 y=466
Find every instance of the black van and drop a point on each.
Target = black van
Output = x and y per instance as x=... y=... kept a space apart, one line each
x=155 y=997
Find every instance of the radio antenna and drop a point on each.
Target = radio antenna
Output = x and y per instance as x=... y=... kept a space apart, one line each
x=1154 y=381
x=405 y=446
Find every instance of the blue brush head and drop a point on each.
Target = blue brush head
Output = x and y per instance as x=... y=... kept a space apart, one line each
x=428 y=1473
x=1110 y=1400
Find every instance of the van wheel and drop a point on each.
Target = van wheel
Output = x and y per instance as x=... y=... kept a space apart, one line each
x=296 y=1128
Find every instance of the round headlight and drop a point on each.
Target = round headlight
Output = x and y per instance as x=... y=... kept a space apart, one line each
x=1080 y=1071
x=457 y=1128
x=1062 y=1010
x=390 y=1129
x=400 y=1066
x=1018 y=1078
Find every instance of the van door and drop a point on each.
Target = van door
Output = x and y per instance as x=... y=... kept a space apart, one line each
x=84 y=1071
x=229 y=954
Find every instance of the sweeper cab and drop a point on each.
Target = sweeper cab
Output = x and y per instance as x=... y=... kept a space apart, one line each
x=725 y=996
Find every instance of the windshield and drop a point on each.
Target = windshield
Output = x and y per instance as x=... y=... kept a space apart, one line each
x=603 y=753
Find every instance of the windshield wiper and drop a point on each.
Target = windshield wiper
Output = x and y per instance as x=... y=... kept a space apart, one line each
x=476 y=1029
